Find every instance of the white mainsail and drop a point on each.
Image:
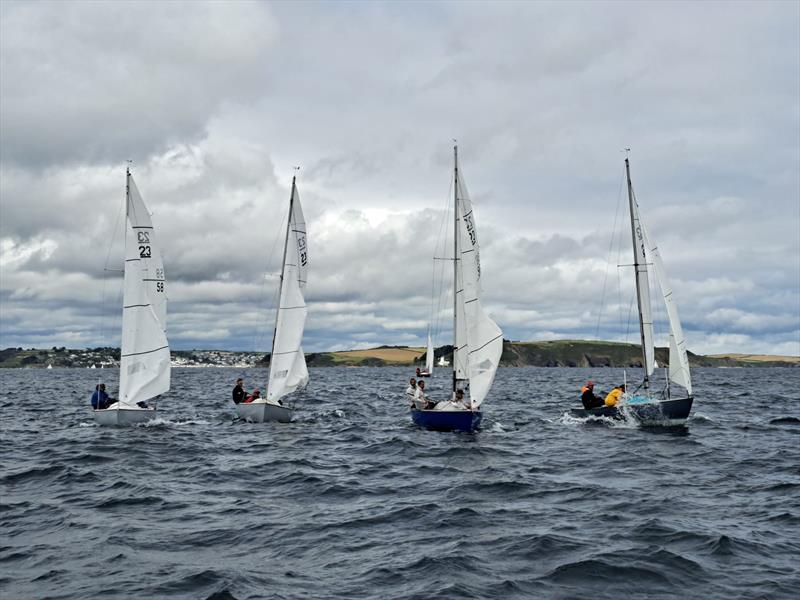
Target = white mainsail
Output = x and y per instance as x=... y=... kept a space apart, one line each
x=483 y=338
x=642 y=282
x=287 y=366
x=429 y=355
x=145 y=359
x=678 y=360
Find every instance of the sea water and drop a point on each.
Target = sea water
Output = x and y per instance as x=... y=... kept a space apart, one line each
x=353 y=501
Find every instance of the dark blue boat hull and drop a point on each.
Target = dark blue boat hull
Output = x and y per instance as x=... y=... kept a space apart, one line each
x=674 y=411
x=447 y=420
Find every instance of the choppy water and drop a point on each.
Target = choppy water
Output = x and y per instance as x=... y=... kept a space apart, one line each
x=352 y=501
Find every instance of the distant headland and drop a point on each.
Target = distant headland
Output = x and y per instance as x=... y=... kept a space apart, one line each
x=557 y=353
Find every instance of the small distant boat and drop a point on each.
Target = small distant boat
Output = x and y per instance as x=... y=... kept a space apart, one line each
x=287 y=364
x=443 y=362
x=49 y=365
x=144 y=369
x=645 y=405
x=428 y=370
x=478 y=341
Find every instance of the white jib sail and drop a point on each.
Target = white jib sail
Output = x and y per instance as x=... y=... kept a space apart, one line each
x=429 y=355
x=643 y=287
x=145 y=361
x=287 y=365
x=484 y=337
x=678 y=360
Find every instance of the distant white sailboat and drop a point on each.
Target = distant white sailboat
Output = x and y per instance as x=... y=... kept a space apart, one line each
x=49 y=365
x=144 y=370
x=428 y=371
x=287 y=364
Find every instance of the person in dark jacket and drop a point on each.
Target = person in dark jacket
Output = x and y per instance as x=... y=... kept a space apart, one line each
x=100 y=399
x=238 y=391
x=588 y=398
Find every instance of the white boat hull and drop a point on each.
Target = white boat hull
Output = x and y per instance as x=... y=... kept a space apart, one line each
x=260 y=412
x=124 y=416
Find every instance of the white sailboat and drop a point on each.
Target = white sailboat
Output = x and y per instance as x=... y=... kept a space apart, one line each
x=649 y=406
x=144 y=370
x=428 y=370
x=478 y=341
x=287 y=365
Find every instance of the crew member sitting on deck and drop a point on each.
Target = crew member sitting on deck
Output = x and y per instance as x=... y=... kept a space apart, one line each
x=461 y=402
x=238 y=391
x=254 y=396
x=420 y=401
x=100 y=400
x=613 y=395
x=588 y=398
x=411 y=389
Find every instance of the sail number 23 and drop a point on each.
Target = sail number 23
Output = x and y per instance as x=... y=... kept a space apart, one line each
x=143 y=237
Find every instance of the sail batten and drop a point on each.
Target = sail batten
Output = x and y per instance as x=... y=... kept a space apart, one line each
x=287 y=366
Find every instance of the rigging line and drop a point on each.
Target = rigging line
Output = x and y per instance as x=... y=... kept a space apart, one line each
x=441 y=235
x=608 y=260
x=103 y=314
x=261 y=327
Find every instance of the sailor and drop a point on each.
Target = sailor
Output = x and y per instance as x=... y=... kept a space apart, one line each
x=418 y=372
x=100 y=399
x=613 y=395
x=411 y=389
x=461 y=402
x=588 y=398
x=254 y=396
x=238 y=391
x=420 y=401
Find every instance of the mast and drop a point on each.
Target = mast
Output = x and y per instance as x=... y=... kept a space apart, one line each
x=283 y=269
x=636 y=267
x=455 y=264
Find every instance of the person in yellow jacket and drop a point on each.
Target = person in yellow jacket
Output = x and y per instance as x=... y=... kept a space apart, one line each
x=613 y=395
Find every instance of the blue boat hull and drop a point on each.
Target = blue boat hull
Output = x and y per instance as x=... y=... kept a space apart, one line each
x=674 y=411
x=447 y=420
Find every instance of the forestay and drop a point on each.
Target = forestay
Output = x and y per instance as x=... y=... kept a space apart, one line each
x=678 y=360
x=484 y=340
x=287 y=367
x=145 y=359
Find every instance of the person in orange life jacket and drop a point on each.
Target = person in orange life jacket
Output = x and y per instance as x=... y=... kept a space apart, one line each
x=254 y=396
x=588 y=398
x=613 y=395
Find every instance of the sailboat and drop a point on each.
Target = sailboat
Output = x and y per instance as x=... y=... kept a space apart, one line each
x=649 y=406
x=144 y=367
x=478 y=341
x=428 y=371
x=287 y=364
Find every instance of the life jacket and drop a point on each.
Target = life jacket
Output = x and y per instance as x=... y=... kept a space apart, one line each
x=613 y=397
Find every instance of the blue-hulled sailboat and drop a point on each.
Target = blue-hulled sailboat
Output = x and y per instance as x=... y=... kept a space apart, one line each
x=646 y=405
x=478 y=341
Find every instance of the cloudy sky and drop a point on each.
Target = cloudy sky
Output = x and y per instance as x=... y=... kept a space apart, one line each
x=216 y=102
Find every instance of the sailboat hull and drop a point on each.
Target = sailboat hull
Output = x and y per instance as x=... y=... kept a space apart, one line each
x=261 y=412
x=674 y=411
x=123 y=416
x=449 y=420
